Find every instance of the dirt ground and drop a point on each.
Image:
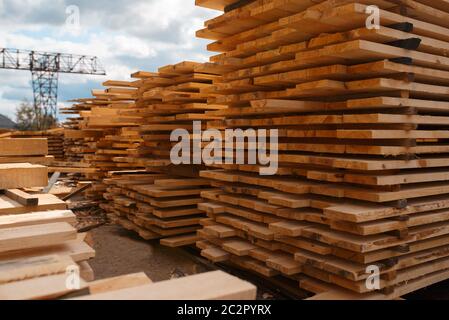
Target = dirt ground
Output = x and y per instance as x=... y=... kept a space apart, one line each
x=121 y=252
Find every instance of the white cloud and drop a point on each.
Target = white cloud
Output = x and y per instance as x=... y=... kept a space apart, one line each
x=127 y=36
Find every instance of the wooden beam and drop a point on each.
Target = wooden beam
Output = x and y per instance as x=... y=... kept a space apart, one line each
x=23 y=147
x=207 y=286
x=46 y=202
x=35 y=236
x=42 y=288
x=36 y=218
x=22 y=269
x=22 y=197
x=14 y=176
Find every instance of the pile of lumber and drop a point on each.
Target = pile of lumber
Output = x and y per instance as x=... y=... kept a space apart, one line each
x=55 y=138
x=43 y=257
x=16 y=150
x=98 y=139
x=363 y=118
x=36 y=251
x=167 y=100
x=162 y=202
x=38 y=241
x=157 y=206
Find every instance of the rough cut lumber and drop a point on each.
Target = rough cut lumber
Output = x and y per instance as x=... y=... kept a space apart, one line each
x=35 y=236
x=362 y=117
x=77 y=249
x=40 y=288
x=22 y=197
x=14 y=176
x=42 y=160
x=54 y=138
x=46 y=202
x=18 y=270
x=23 y=147
x=119 y=283
x=36 y=218
x=208 y=286
x=86 y=271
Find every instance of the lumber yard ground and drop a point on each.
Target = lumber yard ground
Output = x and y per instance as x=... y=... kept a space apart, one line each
x=120 y=252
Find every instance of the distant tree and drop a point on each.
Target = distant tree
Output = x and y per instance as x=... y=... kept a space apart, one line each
x=29 y=118
x=25 y=117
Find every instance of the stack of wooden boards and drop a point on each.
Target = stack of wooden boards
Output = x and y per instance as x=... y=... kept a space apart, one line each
x=168 y=100
x=157 y=205
x=162 y=202
x=42 y=258
x=36 y=251
x=17 y=150
x=363 y=118
x=55 y=138
x=100 y=137
x=38 y=243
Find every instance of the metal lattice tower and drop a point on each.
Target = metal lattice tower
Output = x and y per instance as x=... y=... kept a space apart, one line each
x=45 y=68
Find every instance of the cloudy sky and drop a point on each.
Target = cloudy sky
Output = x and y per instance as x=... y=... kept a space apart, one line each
x=127 y=36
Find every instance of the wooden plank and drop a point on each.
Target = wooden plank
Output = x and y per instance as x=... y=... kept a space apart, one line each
x=22 y=197
x=119 y=283
x=36 y=218
x=29 y=237
x=208 y=286
x=22 y=269
x=180 y=241
x=14 y=176
x=46 y=202
x=77 y=249
x=23 y=147
x=86 y=271
x=42 y=288
x=43 y=160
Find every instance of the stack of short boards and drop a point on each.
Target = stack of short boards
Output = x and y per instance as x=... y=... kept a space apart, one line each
x=43 y=257
x=18 y=150
x=98 y=140
x=363 y=117
x=162 y=201
x=37 y=237
x=55 y=138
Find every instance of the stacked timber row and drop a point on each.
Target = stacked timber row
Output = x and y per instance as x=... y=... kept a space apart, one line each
x=363 y=119
x=77 y=139
x=55 y=138
x=101 y=137
x=38 y=241
x=20 y=150
x=162 y=203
